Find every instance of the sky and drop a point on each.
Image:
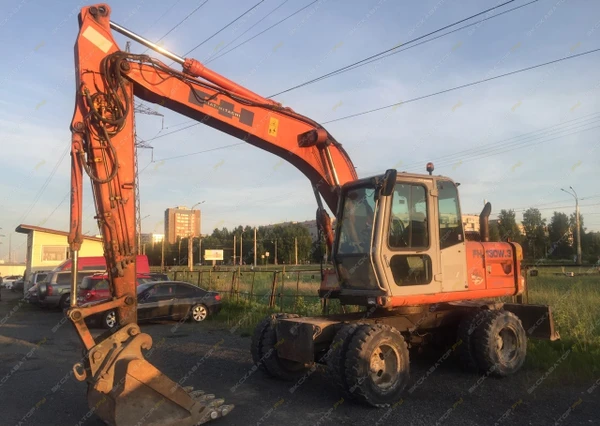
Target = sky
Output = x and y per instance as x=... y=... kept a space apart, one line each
x=513 y=141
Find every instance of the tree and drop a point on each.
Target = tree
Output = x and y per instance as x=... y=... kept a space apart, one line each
x=560 y=232
x=507 y=226
x=494 y=232
x=535 y=234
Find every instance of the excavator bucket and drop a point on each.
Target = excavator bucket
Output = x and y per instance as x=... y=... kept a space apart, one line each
x=124 y=389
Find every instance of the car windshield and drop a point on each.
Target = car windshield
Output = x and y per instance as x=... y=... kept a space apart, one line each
x=357 y=220
x=143 y=287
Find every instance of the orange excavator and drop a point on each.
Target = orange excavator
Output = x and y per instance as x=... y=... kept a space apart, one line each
x=398 y=250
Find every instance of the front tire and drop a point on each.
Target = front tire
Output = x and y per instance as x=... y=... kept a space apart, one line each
x=377 y=365
x=198 y=313
x=500 y=343
x=336 y=361
x=465 y=351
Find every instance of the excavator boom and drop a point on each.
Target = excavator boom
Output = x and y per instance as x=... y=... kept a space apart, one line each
x=122 y=386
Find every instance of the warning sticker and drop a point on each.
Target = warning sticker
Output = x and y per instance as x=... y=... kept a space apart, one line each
x=97 y=39
x=273 y=126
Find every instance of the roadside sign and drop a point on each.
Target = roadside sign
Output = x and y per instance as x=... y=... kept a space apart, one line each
x=213 y=254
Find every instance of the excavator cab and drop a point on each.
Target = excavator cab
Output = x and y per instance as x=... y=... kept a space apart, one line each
x=405 y=243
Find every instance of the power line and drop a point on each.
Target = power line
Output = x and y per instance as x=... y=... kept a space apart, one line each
x=226 y=26
x=463 y=86
x=389 y=50
x=163 y=15
x=264 y=31
x=45 y=184
x=199 y=152
x=253 y=26
x=593 y=117
x=180 y=22
x=334 y=73
x=477 y=154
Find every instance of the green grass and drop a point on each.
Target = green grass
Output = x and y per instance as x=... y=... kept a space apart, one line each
x=575 y=303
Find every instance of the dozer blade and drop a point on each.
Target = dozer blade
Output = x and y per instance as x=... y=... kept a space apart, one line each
x=125 y=390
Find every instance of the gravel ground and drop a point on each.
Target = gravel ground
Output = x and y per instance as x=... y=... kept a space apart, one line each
x=38 y=349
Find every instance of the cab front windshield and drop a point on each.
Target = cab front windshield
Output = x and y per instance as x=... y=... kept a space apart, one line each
x=357 y=221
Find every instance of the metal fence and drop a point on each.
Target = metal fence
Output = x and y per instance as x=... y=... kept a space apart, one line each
x=281 y=288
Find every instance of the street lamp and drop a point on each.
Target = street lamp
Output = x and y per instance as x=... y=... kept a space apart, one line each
x=574 y=195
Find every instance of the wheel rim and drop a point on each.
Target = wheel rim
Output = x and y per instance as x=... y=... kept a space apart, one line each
x=385 y=367
x=507 y=344
x=199 y=313
x=111 y=319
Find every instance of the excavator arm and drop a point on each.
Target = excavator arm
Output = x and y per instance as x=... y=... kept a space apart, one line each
x=122 y=386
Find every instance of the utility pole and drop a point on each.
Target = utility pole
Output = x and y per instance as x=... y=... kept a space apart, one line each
x=234 y=248
x=162 y=255
x=241 y=237
x=191 y=253
x=296 y=249
x=275 y=251
x=191 y=233
x=255 y=246
x=200 y=260
x=574 y=195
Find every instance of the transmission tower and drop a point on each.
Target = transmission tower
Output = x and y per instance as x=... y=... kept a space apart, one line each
x=140 y=144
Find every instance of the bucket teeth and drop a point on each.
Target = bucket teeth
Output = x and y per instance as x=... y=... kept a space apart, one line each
x=216 y=403
x=188 y=389
x=206 y=397
x=196 y=394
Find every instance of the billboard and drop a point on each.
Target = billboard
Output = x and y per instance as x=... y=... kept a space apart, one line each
x=213 y=254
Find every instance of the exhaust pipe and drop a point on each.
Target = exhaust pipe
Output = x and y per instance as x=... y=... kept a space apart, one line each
x=484 y=223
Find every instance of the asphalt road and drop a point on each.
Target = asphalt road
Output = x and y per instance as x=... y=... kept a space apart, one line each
x=38 y=349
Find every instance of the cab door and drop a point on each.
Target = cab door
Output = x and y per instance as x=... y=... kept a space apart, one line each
x=409 y=256
x=453 y=256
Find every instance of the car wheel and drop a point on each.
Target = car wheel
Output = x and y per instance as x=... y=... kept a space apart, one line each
x=198 y=313
x=109 y=320
x=64 y=302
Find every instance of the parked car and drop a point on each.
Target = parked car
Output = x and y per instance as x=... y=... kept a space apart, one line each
x=167 y=300
x=96 y=287
x=98 y=263
x=9 y=280
x=54 y=291
x=17 y=286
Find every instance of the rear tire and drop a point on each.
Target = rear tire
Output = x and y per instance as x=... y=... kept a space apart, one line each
x=336 y=361
x=500 y=343
x=278 y=367
x=64 y=302
x=465 y=351
x=198 y=313
x=377 y=365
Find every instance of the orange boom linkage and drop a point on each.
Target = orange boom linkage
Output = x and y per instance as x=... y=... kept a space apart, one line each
x=103 y=145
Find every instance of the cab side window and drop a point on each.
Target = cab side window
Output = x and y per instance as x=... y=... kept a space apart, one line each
x=408 y=221
x=450 y=220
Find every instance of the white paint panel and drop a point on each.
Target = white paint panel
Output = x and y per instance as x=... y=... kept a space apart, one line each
x=97 y=39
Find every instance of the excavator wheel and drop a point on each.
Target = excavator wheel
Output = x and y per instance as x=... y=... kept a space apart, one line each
x=336 y=359
x=465 y=350
x=377 y=365
x=278 y=367
x=500 y=343
x=256 y=342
